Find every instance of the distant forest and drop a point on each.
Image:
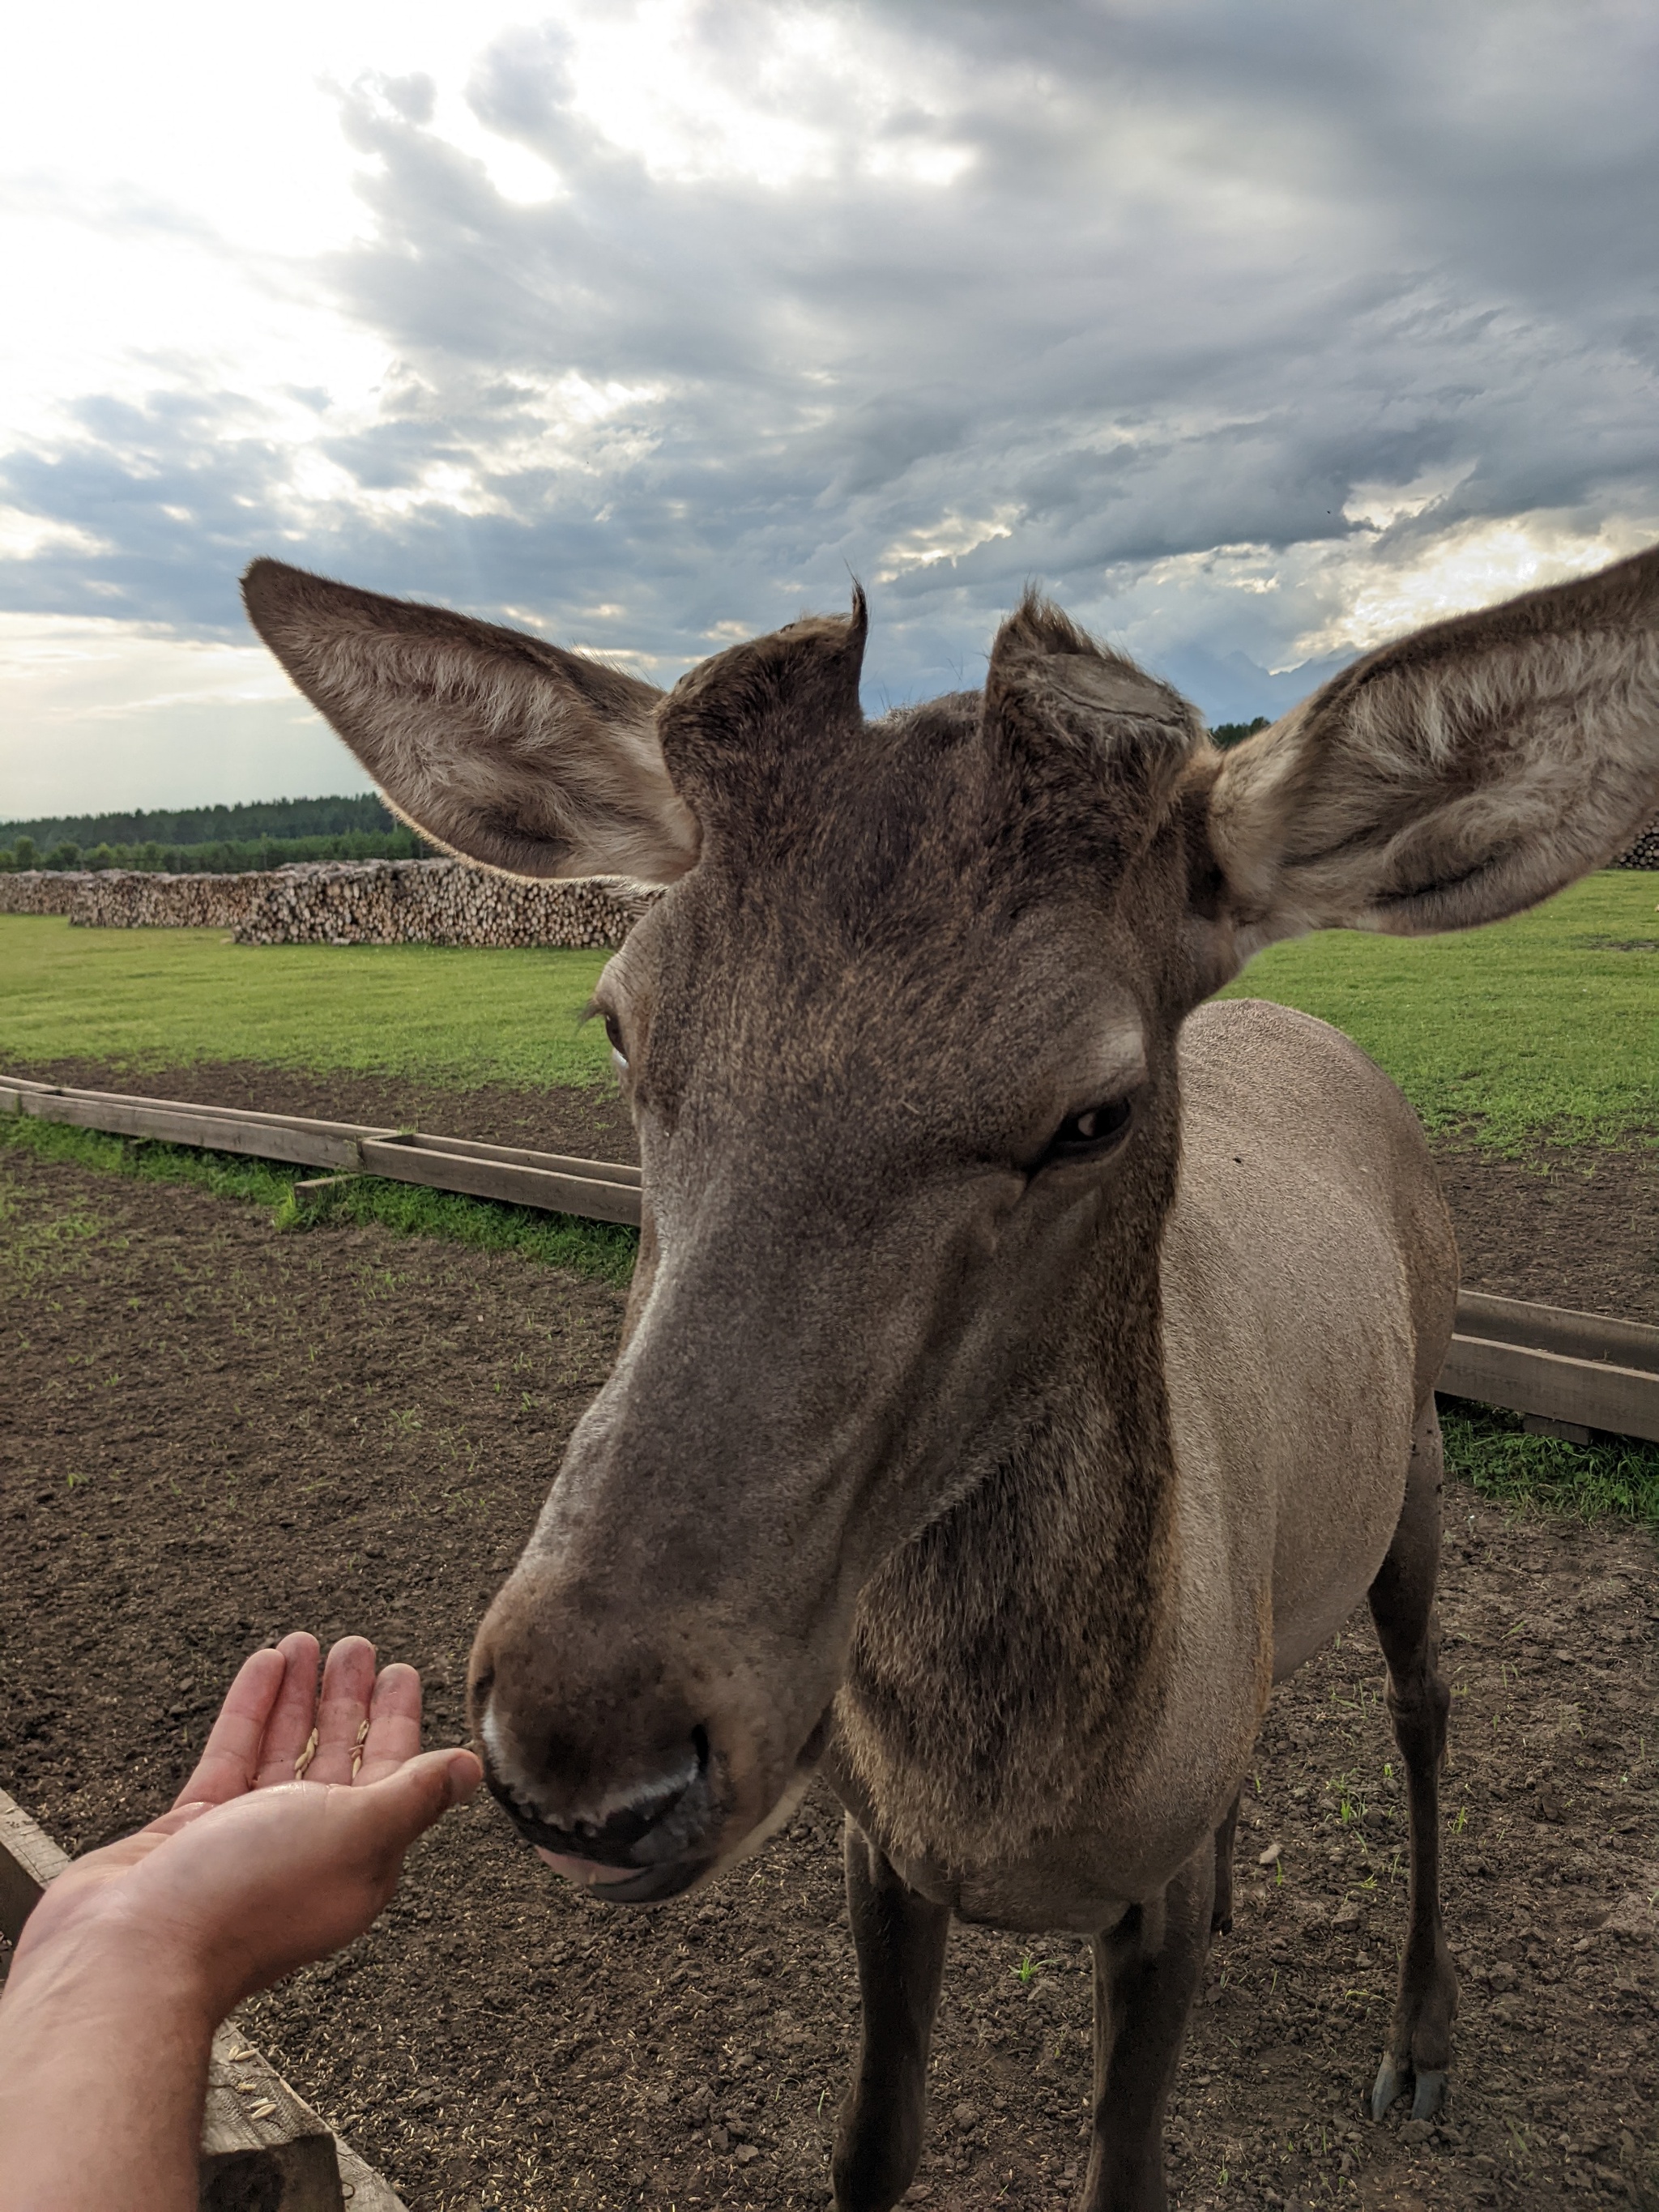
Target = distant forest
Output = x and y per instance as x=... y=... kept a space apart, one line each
x=214 y=840
x=1224 y=733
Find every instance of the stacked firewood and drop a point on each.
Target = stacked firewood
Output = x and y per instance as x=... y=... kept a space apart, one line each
x=378 y=902
x=329 y=903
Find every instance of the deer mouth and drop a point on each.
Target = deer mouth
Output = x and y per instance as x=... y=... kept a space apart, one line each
x=667 y=1857
x=643 y=1886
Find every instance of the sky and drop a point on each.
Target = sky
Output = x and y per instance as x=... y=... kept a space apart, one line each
x=1255 y=333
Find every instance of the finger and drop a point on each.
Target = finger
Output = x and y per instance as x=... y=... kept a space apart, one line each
x=230 y=1756
x=394 y=1724
x=343 y=1710
x=289 y=1729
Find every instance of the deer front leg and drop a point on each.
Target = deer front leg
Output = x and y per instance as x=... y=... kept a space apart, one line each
x=900 y=1939
x=1147 y=1970
x=1221 y=1908
x=1403 y=1606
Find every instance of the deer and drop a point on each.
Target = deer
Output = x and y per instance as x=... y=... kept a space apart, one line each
x=1029 y=1360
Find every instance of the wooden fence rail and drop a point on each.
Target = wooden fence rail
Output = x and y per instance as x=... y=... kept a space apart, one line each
x=1577 y=1372
x=262 y=2145
x=599 y=1189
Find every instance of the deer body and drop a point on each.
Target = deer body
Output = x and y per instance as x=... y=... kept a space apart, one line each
x=1289 y=1451
x=1023 y=1369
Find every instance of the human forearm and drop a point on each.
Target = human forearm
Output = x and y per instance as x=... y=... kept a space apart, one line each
x=104 y=2049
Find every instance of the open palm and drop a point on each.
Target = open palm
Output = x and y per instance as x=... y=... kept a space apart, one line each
x=288 y=1837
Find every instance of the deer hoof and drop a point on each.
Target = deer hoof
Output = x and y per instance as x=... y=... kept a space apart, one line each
x=1386 y=2087
x=1430 y=2095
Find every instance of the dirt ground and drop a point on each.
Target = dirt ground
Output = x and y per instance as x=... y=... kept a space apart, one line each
x=1571 y=1226
x=210 y=1432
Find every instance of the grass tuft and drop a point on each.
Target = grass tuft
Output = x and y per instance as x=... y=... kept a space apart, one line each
x=1488 y=1446
x=601 y=1250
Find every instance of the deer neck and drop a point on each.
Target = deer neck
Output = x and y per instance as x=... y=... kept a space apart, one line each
x=1021 y=1642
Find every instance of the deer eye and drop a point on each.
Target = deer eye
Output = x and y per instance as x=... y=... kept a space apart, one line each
x=1090 y=1135
x=613 y=1030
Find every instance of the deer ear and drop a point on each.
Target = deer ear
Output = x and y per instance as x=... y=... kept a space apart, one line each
x=1455 y=777
x=498 y=747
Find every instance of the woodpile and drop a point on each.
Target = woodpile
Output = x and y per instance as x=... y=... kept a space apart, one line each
x=378 y=902
x=40 y=890
x=338 y=902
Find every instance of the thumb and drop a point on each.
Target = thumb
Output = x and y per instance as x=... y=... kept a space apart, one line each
x=405 y=1804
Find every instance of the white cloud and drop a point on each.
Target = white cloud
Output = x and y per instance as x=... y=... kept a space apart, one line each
x=1255 y=336
x=103 y=715
x=1475 y=564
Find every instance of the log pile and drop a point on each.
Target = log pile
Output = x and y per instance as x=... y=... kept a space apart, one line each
x=338 y=902
x=378 y=902
x=40 y=890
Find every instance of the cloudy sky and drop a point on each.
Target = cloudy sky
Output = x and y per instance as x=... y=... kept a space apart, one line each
x=1257 y=332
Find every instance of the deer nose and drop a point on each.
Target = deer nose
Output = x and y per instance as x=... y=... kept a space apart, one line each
x=641 y=1836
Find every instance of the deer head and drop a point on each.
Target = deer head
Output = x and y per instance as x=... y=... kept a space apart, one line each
x=900 y=1044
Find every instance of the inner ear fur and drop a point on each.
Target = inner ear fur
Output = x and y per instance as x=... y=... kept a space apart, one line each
x=1069 y=714
x=1461 y=775
x=751 y=733
x=499 y=748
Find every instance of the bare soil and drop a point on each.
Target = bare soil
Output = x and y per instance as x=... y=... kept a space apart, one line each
x=210 y=1432
x=1573 y=1225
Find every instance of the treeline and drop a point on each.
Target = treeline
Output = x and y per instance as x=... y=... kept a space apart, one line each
x=1234 y=734
x=208 y=825
x=214 y=840
x=227 y=857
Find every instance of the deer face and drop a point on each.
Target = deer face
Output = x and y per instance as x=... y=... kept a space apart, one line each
x=900 y=1045
x=899 y=1071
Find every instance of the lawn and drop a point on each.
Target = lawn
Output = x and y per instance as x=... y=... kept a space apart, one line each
x=164 y=998
x=1544 y=1029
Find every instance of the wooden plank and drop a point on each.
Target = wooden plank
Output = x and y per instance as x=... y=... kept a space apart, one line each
x=303 y=1144
x=514 y=1156
x=263 y=2150
x=261 y=2144
x=513 y=1186
x=339 y=1145
x=364 y=2190
x=28 y=1861
x=322 y=1194
x=22 y=1083
x=1592 y=1394
x=1558 y=1328
x=1587 y=1370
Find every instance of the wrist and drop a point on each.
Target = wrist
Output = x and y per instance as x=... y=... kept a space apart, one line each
x=105 y=2038
x=104 y=1964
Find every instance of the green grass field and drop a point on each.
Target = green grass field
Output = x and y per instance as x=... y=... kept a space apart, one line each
x=165 y=997
x=1542 y=1029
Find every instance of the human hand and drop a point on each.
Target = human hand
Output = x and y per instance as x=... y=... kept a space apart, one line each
x=286 y=1842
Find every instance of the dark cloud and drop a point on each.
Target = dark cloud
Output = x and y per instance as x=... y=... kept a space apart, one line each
x=1204 y=271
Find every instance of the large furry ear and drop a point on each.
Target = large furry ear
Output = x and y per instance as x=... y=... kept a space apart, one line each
x=1457 y=776
x=498 y=747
